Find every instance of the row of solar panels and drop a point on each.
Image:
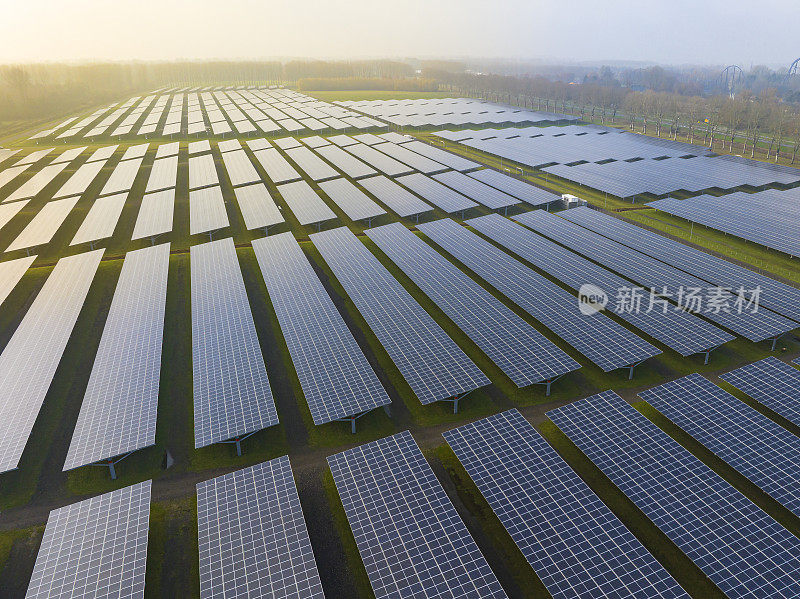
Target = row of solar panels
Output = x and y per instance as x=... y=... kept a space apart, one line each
x=449 y=111
x=253 y=539
x=770 y=218
x=232 y=392
x=450 y=191
x=245 y=111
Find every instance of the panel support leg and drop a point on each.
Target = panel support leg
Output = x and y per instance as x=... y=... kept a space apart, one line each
x=774 y=343
x=353 y=424
x=112 y=470
x=707 y=355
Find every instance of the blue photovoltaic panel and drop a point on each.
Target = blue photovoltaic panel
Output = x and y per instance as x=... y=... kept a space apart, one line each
x=437 y=194
x=232 y=395
x=95 y=549
x=776 y=296
x=519 y=350
x=603 y=341
x=431 y=363
x=397 y=198
x=751 y=443
x=32 y=355
x=118 y=414
x=651 y=273
x=771 y=382
x=253 y=538
x=411 y=539
x=336 y=378
x=744 y=551
x=685 y=333
x=576 y=545
x=480 y=192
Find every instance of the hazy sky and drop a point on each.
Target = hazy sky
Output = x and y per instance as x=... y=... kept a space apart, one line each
x=669 y=31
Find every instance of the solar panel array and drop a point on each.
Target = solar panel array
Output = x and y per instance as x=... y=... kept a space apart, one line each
x=305 y=203
x=653 y=274
x=122 y=177
x=772 y=383
x=520 y=351
x=311 y=164
x=490 y=197
x=43 y=227
x=748 y=441
x=80 y=180
x=257 y=206
x=431 y=362
x=118 y=414
x=401 y=201
x=11 y=272
x=416 y=161
x=240 y=170
x=576 y=545
x=597 y=337
x=276 y=166
x=353 y=202
x=679 y=330
x=101 y=220
x=773 y=225
x=378 y=160
x=36 y=184
x=207 y=210
x=521 y=190
x=410 y=537
x=232 y=395
x=437 y=194
x=740 y=548
x=336 y=378
x=777 y=296
x=449 y=159
x=95 y=548
x=202 y=171
x=155 y=214
x=347 y=163
x=252 y=536
x=30 y=358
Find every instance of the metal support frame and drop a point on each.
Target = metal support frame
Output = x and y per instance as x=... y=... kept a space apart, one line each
x=111 y=462
x=456 y=398
x=548 y=383
x=352 y=421
x=238 y=441
x=775 y=342
x=631 y=367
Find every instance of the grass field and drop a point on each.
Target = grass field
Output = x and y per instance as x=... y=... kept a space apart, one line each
x=28 y=494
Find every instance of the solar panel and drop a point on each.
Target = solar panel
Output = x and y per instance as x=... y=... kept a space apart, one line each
x=229 y=145
x=576 y=545
x=207 y=210
x=313 y=166
x=9 y=174
x=777 y=296
x=11 y=272
x=122 y=177
x=9 y=211
x=410 y=537
x=314 y=141
x=155 y=214
x=431 y=362
x=397 y=198
x=490 y=197
x=37 y=183
x=368 y=138
x=416 y=161
x=748 y=441
x=449 y=159
x=352 y=201
x=526 y=356
x=103 y=153
x=380 y=161
x=170 y=149
x=95 y=548
x=232 y=395
x=164 y=174
x=285 y=143
x=772 y=383
x=137 y=151
x=276 y=166
x=202 y=171
x=342 y=140
x=526 y=192
x=437 y=194
x=336 y=378
x=257 y=206
x=80 y=180
x=29 y=360
x=252 y=536
x=34 y=157
x=44 y=225
x=679 y=330
x=304 y=203
x=118 y=414
x=198 y=147
x=755 y=326
x=240 y=170
x=597 y=337
x=101 y=220
x=68 y=155
x=347 y=163
x=739 y=547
